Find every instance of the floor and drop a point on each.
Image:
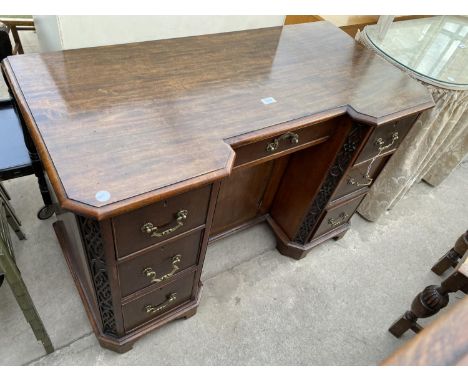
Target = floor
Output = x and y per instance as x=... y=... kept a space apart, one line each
x=258 y=307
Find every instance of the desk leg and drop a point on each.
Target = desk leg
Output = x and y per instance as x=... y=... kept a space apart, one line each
x=340 y=235
x=298 y=251
x=191 y=313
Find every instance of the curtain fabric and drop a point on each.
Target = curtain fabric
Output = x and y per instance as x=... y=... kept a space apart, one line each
x=435 y=145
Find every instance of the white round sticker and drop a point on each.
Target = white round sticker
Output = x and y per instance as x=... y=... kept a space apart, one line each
x=103 y=196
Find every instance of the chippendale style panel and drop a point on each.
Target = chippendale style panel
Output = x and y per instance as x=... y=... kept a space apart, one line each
x=335 y=173
x=152 y=157
x=94 y=247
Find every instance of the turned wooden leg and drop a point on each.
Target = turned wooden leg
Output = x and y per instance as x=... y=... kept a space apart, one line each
x=427 y=303
x=452 y=257
x=48 y=210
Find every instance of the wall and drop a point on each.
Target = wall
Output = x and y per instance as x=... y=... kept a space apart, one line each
x=48 y=33
x=70 y=32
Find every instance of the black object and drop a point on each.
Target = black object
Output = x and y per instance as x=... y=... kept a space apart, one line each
x=19 y=156
x=5 y=43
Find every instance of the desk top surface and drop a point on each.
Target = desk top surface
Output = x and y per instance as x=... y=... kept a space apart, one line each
x=122 y=126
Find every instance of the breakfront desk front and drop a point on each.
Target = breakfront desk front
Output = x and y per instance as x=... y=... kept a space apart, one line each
x=155 y=149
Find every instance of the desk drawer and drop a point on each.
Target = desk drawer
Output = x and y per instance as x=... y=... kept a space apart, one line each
x=355 y=178
x=386 y=137
x=294 y=140
x=153 y=224
x=158 y=302
x=337 y=216
x=159 y=265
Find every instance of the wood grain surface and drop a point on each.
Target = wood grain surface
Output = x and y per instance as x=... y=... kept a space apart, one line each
x=443 y=343
x=146 y=120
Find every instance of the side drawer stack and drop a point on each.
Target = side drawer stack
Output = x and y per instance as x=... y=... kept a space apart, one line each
x=354 y=185
x=158 y=254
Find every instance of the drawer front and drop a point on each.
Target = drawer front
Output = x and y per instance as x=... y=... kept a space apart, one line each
x=153 y=224
x=337 y=216
x=285 y=143
x=159 y=265
x=386 y=138
x=154 y=304
x=356 y=179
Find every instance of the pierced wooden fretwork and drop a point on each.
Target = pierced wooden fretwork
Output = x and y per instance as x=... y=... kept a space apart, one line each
x=94 y=246
x=335 y=173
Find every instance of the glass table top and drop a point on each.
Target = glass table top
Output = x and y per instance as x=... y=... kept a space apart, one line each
x=434 y=47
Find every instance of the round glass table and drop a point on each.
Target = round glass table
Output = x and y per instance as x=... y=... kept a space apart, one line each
x=434 y=48
x=434 y=51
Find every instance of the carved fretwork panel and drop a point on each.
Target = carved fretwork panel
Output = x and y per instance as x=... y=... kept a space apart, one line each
x=94 y=247
x=342 y=161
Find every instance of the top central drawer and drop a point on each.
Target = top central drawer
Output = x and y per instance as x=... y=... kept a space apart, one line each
x=159 y=221
x=288 y=142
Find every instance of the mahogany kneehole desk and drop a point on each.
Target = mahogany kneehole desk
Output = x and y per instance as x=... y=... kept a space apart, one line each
x=154 y=149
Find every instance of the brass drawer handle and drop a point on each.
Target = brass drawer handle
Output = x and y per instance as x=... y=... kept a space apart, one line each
x=380 y=142
x=151 y=230
x=354 y=182
x=339 y=220
x=382 y=147
x=151 y=309
x=148 y=272
x=273 y=146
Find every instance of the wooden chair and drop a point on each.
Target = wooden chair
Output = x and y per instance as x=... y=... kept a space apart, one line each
x=13 y=276
x=452 y=257
x=18 y=24
x=443 y=343
x=436 y=297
